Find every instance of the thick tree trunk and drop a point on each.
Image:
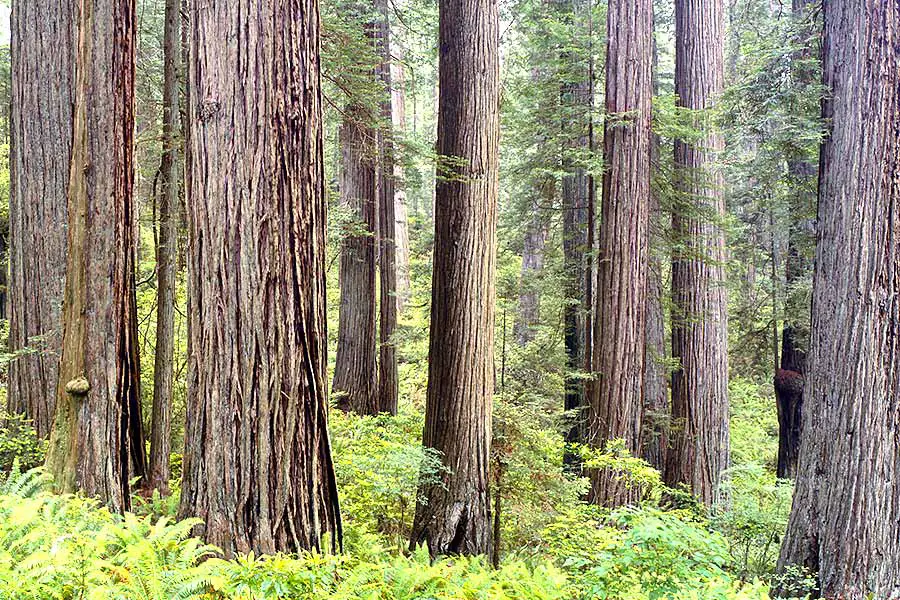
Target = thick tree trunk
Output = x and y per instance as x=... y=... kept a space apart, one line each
x=699 y=447
x=388 y=380
x=257 y=463
x=43 y=91
x=656 y=390
x=355 y=376
x=455 y=516
x=616 y=399
x=843 y=523
x=96 y=433
x=577 y=100
x=529 y=312
x=166 y=254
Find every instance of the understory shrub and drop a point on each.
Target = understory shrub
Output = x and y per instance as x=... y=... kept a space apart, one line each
x=19 y=442
x=67 y=547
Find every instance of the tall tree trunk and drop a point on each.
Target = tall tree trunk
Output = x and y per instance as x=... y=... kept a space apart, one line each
x=166 y=254
x=401 y=232
x=388 y=381
x=656 y=391
x=789 y=378
x=257 y=463
x=843 y=523
x=96 y=435
x=699 y=449
x=43 y=91
x=616 y=399
x=577 y=101
x=455 y=515
x=355 y=376
x=590 y=267
x=529 y=313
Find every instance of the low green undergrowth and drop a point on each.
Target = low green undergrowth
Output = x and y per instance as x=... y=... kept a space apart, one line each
x=68 y=547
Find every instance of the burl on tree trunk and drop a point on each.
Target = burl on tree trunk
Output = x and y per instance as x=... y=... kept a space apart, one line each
x=97 y=442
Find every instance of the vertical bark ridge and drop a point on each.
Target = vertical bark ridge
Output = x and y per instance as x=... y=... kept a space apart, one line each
x=97 y=439
x=355 y=375
x=455 y=517
x=257 y=464
x=388 y=380
x=43 y=87
x=843 y=523
x=616 y=399
x=699 y=443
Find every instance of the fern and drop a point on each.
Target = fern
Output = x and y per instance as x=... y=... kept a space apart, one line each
x=27 y=484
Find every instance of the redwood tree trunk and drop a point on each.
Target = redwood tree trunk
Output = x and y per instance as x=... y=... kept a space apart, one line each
x=96 y=433
x=166 y=254
x=843 y=523
x=401 y=233
x=699 y=443
x=789 y=378
x=577 y=101
x=43 y=91
x=355 y=376
x=257 y=463
x=616 y=399
x=656 y=390
x=455 y=517
x=529 y=311
x=388 y=381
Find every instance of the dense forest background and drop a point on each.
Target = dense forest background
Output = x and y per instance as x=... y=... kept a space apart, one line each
x=671 y=476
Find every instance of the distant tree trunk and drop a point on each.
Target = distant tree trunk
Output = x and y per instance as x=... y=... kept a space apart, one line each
x=529 y=313
x=455 y=517
x=355 y=376
x=541 y=193
x=576 y=183
x=789 y=378
x=257 y=462
x=166 y=254
x=388 y=381
x=590 y=267
x=401 y=233
x=616 y=399
x=699 y=443
x=96 y=435
x=656 y=390
x=843 y=524
x=43 y=90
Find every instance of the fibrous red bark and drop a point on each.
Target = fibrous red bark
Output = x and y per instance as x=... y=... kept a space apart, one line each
x=97 y=444
x=843 y=525
x=43 y=93
x=699 y=439
x=454 y=516
x=616 y=398
x=257 y=462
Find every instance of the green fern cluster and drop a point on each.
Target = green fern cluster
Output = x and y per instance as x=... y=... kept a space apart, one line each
x=64 y=547
x=67 y=548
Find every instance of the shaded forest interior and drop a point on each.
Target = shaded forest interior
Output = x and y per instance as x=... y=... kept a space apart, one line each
x=419 y=299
